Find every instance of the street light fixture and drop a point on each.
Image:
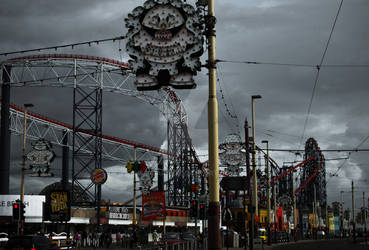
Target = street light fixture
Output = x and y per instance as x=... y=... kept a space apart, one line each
x=21 y=221
x=341 y=212
x=268 y=191
x=255 y=185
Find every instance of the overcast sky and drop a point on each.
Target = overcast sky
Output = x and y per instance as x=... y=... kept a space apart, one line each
x=267 y=31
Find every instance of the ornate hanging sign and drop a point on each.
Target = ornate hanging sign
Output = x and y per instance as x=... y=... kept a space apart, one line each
x=146 y=179
x=165 y=41
x=40 y=158
x=232 y=155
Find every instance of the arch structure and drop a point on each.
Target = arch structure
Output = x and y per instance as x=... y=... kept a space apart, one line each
x=312 y=178
x=93 y=75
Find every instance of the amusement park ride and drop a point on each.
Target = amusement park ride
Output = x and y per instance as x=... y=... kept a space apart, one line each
x=89 y=76
x=86 y=73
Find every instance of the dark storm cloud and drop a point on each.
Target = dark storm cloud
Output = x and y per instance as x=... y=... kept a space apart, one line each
x=285 y=31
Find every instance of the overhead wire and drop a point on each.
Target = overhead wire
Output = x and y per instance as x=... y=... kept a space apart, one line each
x=314 y=66
x=232 y=115
x=318 y=72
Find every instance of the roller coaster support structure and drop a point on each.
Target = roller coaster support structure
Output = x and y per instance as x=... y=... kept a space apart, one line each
x=5 y=131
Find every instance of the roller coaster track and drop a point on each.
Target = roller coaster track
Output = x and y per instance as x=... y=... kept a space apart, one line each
x=114 y=149
x=71 y=71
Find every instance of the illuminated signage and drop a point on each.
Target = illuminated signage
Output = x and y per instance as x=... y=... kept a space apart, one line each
x=153 y=205
x=165 y=41
x=99 y=176
x=40 y=158
x=57 y=207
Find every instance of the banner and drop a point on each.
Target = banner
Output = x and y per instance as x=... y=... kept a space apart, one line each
x=153 y=205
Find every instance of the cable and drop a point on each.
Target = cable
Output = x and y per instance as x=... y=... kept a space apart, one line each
x=72 y=45
x=296 y=64
x=322 y=150
x=233 y=116
x=318 y=73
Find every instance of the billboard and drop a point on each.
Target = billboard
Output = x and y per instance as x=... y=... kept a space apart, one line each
x=153 y=205
x=33 y=204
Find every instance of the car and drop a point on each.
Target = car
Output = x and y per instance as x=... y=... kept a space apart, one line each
x=188 y=236
x=60 y=239
x=171 y=238
x=283 y=236
x=262 y=234
x=27 y=242
x=3 y=239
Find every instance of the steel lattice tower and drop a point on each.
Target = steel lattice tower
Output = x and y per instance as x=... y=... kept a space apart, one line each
x=316 y=170
x=87 y=148
x=183 y=166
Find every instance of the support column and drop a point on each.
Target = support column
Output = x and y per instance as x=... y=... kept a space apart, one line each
x=214 y=239
x=65 y=169
x=5 y=132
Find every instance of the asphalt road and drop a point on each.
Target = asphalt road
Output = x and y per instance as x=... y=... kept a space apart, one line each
x=321 y=245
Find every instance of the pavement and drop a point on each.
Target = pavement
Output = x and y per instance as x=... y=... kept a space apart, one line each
x=334 y=244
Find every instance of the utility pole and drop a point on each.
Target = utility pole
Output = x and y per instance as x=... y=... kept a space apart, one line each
x=21 y=221
x=249 y=189
x=268 y=192
x=364 y=215
x=294 y=205
x=254 y=179
x=341 y=215
x=353 y=211
x=214 y=240
x=314 y=210
x=134 y=219
x=326 y=220
x=275 y=211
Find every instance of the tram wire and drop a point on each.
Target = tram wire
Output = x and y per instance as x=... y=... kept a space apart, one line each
x=318 y=73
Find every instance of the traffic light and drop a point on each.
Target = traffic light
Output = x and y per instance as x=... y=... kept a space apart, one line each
x=22 y=211
x=194 y=208
x=202 y=211
x=16 y=210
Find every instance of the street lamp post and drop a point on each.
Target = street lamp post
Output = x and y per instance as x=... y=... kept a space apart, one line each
x=214 y=241
x=268 y=191
x=254 y=177
x=341 y=214
x=134 y=219
x=21 y=221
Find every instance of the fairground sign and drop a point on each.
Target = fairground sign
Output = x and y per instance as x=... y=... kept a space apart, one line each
x=40 y=158
x=165 y=41
x=57 y=206
x=153 y=205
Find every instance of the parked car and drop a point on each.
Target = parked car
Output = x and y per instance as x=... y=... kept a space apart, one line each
x=262 y=234
x=28 y=242
x=3 y=239
x=282 y=236
x=171 y=238
x=60 y=239
x=188 y=236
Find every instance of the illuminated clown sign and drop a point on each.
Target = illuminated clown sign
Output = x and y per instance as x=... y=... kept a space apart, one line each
x=165 y=42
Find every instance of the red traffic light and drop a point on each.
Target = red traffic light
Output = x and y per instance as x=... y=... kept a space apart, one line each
x=194 y=203
x=201 y=206
x=15 y=205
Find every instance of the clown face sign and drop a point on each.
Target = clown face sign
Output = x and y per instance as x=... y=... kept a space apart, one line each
x=165 y=42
